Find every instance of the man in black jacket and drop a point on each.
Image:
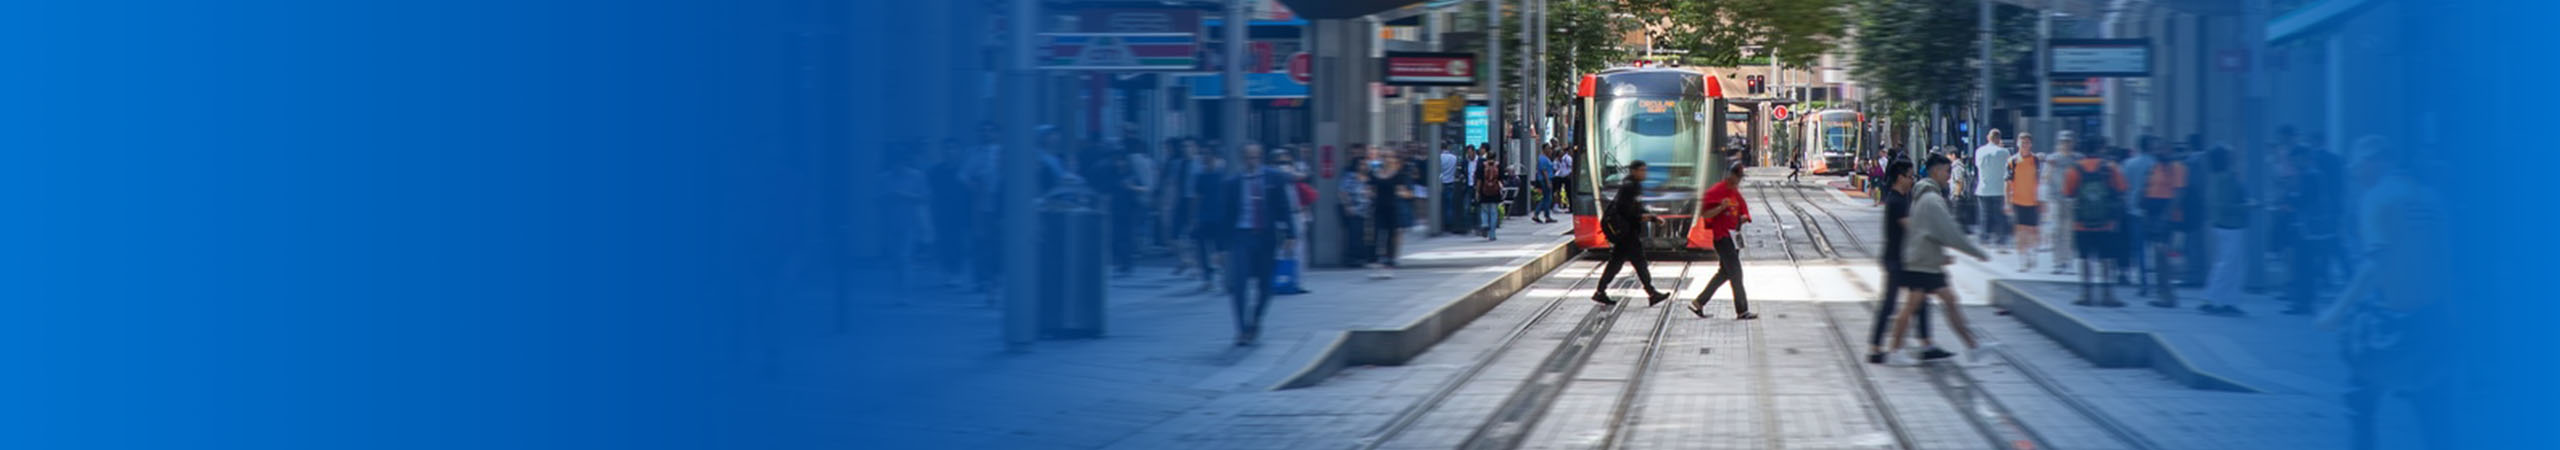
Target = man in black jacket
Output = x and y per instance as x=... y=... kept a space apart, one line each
x=1261 y=201
x=1898 y=180
x=1623 y=222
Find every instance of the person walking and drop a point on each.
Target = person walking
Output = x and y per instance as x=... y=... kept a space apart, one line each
x=1932 y=231
x=1452 y=166
x=1209 y=228
x=1993 y=163
x=2160 y=198
x=1563 y=179
x=2308 y=209
x=2230 y=206
x=903 y=195
x=2096 y=188
x=1899 y=181
x=1262 y=215
x=2137 y=226
x=1541 y=208
x=2393 y=315
x=2019 y=181
x=1357 y=248
x=1623 y=224
x=951 y=208
x=1488 y=196
x=1392 y=185
x=1725 y=211
x=2066 y=152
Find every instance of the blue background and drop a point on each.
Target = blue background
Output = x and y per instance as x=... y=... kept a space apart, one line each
x=482 y=224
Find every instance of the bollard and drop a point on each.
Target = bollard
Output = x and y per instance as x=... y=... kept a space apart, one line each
x=1071 y=255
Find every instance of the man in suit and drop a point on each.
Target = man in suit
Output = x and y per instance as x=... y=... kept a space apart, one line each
x=1262 y=202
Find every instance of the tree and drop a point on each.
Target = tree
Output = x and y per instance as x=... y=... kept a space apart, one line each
x=1921 y=53
x=1715 y=32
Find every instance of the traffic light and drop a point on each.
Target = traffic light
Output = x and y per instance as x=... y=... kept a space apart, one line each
x=1756 y=84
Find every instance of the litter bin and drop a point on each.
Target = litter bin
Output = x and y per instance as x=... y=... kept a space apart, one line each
x=1071 y=263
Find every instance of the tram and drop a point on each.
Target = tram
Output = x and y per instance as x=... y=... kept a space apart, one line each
x=1666 y=117
x=1832 y=138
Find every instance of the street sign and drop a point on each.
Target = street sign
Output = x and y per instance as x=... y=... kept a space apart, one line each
x=2101 y=58
x=1778 y=112
x=1437 y=110
x=1119 y=51
x=1478 y=132
x=1302 y=68
x=1430 y=69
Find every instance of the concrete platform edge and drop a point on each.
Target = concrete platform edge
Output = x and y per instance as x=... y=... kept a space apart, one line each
x=1394 y=346
x=2108 y=348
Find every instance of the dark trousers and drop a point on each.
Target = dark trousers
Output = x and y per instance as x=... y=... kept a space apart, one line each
x=1453 y=209
x=1995 y=219
x=1125 y=218
x=1388 y=239
x=1356 y=248
x=2311 y=259
x=1728 y=268
x=1250 y=263
x=1623 y=252
x=1206 y=245
x=1884 y=311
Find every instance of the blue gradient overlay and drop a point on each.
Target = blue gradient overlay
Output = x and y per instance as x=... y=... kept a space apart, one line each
x=473 y=224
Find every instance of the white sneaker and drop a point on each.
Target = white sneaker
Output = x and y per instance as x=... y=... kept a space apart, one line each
x=1900 y=358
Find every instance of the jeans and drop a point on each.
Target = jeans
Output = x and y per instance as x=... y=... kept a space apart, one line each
x=2230 y=263
x=1491 y=214
x=1453 y=208
x=1995 y=219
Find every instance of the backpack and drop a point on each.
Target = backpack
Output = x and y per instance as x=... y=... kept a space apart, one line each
x=2098 y=203
x=1489 y=181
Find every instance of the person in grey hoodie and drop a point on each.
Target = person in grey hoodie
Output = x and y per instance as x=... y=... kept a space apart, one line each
x=1928 y=233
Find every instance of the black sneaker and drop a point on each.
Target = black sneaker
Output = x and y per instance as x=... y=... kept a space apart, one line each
x=1875 y=358
x=1747 y=316
x=1655 y=298
x=1699 y=309
x=1934 y=353
x=1603 y=299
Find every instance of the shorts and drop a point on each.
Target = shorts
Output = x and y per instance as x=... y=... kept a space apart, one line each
x=2097 y=244
x=2155 y=214
x=2025 y=216
x=1924 y=281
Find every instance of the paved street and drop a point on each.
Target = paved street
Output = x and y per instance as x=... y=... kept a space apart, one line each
x=1548 y=369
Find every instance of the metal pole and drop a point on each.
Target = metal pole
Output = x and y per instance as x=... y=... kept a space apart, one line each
x=1528 y=85
x=1239 y=18
x=1022 y=79
x=2044 y=77
x=1982 y=110
x=1493 y=75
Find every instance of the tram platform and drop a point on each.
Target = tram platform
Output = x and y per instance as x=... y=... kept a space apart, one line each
x=1168 y=350
x=2263 y=351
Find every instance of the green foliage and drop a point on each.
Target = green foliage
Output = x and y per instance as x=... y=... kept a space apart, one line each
x=1716 y=31
x=1923 y=52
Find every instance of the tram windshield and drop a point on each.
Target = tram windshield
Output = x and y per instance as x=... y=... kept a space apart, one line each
x=1662 y=132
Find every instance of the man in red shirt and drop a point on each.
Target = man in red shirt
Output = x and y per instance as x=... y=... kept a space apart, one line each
x=1724 y=211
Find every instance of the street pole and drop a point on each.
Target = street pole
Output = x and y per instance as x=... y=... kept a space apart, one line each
x=1022 y=79
x=2044 y=75
x=1239 y=18
x=1528 y=101
x=1493 y=75
x=1982 y=110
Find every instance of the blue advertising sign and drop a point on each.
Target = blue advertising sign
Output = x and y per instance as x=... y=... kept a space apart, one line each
x=1256 y=86
x=1477 y=133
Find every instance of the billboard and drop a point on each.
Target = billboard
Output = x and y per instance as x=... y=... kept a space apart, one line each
x=1477 y=132
x=1429 y=69
x=1119 y=51
x=2100 y=58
